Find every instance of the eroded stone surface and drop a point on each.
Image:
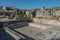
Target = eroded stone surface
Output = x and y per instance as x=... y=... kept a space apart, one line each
x=49 y=34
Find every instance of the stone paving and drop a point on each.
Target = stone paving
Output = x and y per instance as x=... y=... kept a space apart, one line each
x=29 y=31
x=47 y=34
x=33 y=33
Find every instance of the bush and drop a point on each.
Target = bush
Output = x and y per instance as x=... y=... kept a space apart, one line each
x=20 y=16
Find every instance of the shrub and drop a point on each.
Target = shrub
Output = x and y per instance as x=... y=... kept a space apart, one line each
x=20 y=16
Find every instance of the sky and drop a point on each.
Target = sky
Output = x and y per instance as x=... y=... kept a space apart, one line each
x=30 y=4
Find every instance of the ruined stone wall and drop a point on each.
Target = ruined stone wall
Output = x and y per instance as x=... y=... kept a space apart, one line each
x=42 y=14
x=28 y=13
x=47 y=21
x=38 y=13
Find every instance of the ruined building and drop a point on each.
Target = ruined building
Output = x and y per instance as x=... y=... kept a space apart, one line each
x=44 y=13
x=49 y=13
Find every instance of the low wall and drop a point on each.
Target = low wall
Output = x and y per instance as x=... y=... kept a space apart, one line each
x=47 y=21
x=41 y=26
x=18 y=25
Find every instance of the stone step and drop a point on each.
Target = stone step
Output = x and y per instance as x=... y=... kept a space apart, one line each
x=13 y=34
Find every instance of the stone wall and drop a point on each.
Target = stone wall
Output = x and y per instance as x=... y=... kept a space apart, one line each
x=43 y=13
x=47 y=21
x=28 y=13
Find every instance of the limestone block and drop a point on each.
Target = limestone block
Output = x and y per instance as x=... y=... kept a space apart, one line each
x=36 y=20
